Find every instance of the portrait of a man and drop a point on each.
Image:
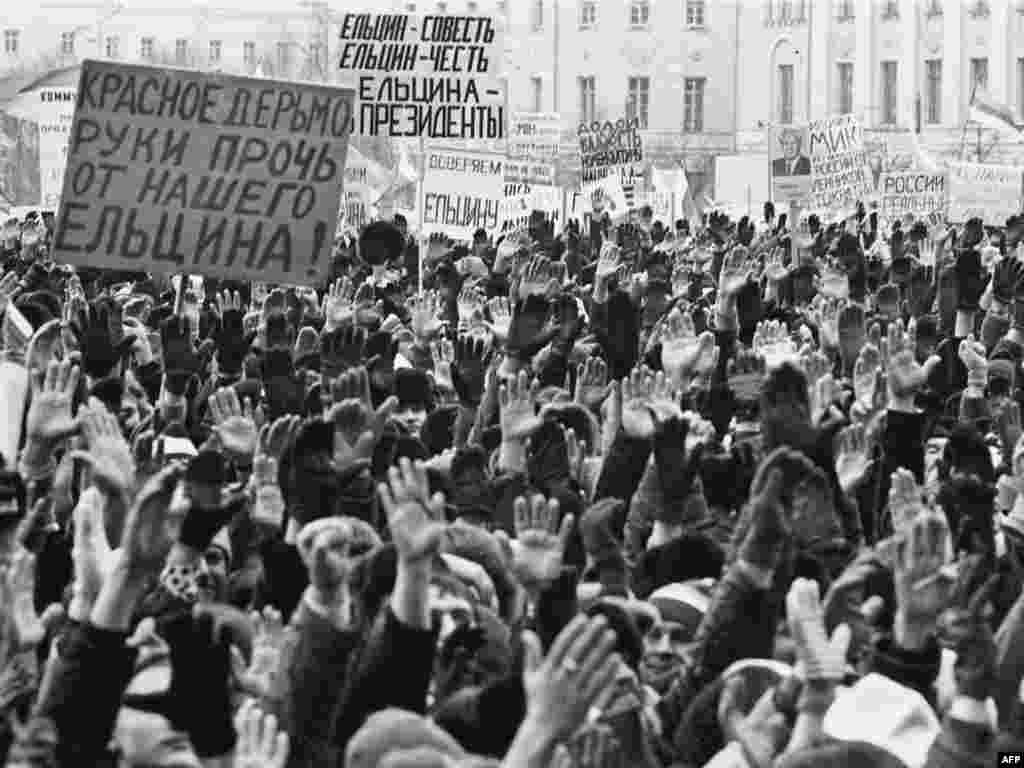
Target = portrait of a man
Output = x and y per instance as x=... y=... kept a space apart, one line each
x=792 y=162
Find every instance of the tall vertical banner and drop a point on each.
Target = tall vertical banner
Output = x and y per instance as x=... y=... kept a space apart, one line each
x=462 y=192
x=55 y=111
x=172 y=170
x=434 y=76
x=19 y=161
x=989 y=192
x=606 y=147
x=839 y=164
x=533 y=142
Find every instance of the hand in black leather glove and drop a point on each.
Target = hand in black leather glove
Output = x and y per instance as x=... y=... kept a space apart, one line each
x=675 y=470
x=529 y=331
x=469 y=371
x=199 y=699
x=230 y=336
x=209 y=510
x=103 y=341
x=285 y=388
x=342 y=349
x=970 y=279
x=1005 y=277
x=181 y=362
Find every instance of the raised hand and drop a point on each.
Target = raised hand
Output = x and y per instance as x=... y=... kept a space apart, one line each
x=500 y=312
x=735 y=271
x=607 y=262
x=578 y=671
x=148 y=531
x=595 y=746
x=260 y=743
x=966 y=630
x=762 y=732
x=637 y=415
x=414 y=516
x=17 y=586
x=109 y=457
x=852 y=462
x=470 y=305
x=357 y=426
x=905 y=502
x=49 y=417
x=234 y=424
x=535 y=278
x=268 y=640
x=90 y=553
x=852 y=333
x=442 y=352
x=774 y=268
x=324 y=546
x=540 y=541
x=972 y=354
x=425 y=315
x=591 y=382
x=905 y=376
x=772 y=342
x=746 y=375
x=822 y=658
x=866 y=372
x=469 y=371
x=516 y=399
x=923 y=586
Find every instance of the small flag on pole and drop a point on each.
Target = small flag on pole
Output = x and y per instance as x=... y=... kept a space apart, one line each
x=987 y=111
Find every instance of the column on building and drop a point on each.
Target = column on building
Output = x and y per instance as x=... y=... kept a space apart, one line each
x=864 y=97
x=952 y=60
x=998 y=64
x=821 y=76
x=909 y=62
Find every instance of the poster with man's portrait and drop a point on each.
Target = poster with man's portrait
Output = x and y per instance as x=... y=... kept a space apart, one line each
x=790 y=163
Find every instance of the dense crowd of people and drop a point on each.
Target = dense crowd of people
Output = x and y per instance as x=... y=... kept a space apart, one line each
x=628 y=494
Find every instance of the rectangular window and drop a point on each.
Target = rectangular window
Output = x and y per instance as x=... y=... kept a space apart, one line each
x=801 y=11
x=249 y=54
x=282 y=58
x=933 y=91
x=785 y=106
x=410 y=7
x=442 y=7
x=890 y=92
x=538 y=15
x=215 y=48
x=537 y=88
x=181 y=51
x=844 y=10
x=472 y=7
x=844 y=74
x=933 y=8
x=588 y=14
x=890 y=10
x=588 y=99
x=112 y=46
x=639 y=13
x=695 y=11
x=10 y=41
x=67 y=43
x=979 y=74
x=638 y=100
x=693 y=104
x=146 y=48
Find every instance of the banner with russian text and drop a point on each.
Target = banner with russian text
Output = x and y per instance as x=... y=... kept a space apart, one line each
x=919 y=193
x=533 y=142
x=607 y=146
x=840 y=171
x=431 y=76
x=171 y=171
x=462 y=192
x=989 y=192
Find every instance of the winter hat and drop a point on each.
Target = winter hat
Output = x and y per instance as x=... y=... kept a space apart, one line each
x=690 y=556
x=885 y=714
x=847 y=754
x=684 y=603
x=420 y=757
x=394 y=731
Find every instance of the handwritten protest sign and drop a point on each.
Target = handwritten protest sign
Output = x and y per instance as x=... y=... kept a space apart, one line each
x=533 y=142
x=840 y=172
x=462 y=192
x=170 y=170
x=435 y=76
x=990 y=192
x=521 y=200
x=607 y=146
x=919 y=193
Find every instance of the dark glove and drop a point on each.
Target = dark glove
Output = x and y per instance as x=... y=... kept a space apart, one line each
x=342 y=349
x=470 y=369
x=970 y=279
x=199 y=699
x=103 y=342
x=768 y=531
x=675 y=472
x=208 y=510
x=285 y=388
x=181 y=362
x=529 y=330
x=1005 y=277
x=232 y=345
x=548 y=460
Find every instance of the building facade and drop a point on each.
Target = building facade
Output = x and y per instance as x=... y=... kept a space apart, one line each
x=704 y=77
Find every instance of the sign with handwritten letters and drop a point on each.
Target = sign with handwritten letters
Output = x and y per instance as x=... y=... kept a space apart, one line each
x=521 y=200
x=462 y=192
x=431 y=76
x=607 y=146
x=840 y=173
x=919 y=193
x=989 y=192
x=533 y=142
x=172 y=170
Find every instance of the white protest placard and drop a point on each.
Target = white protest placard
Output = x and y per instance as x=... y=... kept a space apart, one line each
x=989 y=192
x=521 y=200
x=840 y=173
x=435 y=76
x=919 y=193
x=607 y=146
x=462 y=192
x=55 y=112
x=172 y=170
x=533 y=142
x=599 y=197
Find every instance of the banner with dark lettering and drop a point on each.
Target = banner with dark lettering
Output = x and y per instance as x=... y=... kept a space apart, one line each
x=170 y=170
x=533 y=143
x=521 y=200
x=919 y=193
x=19 y=162
x=990 y=192
x=840 y=172
x=608 y=146
x=462 y=192
x=435 y=76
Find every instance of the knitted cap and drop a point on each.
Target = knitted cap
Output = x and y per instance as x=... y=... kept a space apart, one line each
x=683 y=603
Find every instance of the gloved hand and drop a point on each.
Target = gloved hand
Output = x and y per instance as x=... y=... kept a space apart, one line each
x=676 y=471
x=181 y=363
x=209 y=509
x=970 y=279
x=102 y=341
